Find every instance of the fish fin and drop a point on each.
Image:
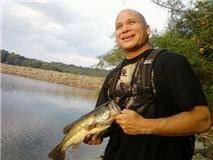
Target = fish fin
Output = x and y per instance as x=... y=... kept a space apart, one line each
x=75 y=146
x=57 y=154
x=91 y=126
x=67 y=128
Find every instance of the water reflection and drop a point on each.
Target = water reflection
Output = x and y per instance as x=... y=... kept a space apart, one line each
x=50 y=89
x=34 y=114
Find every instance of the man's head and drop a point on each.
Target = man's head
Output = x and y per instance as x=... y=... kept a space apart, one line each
x=132 y=32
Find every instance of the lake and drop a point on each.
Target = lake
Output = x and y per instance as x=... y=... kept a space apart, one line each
x=33 y=115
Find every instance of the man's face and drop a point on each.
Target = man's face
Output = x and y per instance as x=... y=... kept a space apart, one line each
x=131 y=31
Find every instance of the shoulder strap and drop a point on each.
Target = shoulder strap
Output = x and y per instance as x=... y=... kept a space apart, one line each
x=147 y=74
x=113 y=80
x=146 y=78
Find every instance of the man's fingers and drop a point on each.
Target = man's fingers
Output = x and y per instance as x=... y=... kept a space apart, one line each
x=93 y=139
x=95 y=136
x=125 y=111
x=121 y=116
x=87 y=138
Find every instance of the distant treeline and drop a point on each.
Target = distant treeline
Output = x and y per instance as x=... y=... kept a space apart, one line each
x=16 y=59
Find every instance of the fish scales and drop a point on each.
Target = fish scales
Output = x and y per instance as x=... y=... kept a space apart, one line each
x=96 y=121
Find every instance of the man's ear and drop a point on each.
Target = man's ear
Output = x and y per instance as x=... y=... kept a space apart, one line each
x=148 y=30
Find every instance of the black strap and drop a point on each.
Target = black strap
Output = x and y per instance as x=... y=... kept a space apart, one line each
x=147 y=74
x=112 y=82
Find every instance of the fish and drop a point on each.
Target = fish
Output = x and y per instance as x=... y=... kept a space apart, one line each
x=96 y=121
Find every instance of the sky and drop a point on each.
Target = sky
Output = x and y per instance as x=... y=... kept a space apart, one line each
x=68 y=31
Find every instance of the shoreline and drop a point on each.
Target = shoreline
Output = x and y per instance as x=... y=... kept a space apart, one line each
x=204 y=142
x=75 y=80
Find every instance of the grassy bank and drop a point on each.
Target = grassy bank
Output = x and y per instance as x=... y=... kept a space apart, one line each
x=53 y=76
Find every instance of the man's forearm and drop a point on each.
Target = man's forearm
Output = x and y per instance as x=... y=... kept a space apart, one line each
x=194 y=121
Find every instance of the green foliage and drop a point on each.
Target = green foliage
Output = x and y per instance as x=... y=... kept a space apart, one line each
x=197 y=24
x=15 y=59
x=111 y=58
x=189 y=33
x=191 y=36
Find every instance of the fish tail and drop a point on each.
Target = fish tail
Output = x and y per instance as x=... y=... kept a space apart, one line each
x=57 y=154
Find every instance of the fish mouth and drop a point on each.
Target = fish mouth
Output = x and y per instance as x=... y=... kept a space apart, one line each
x=116 y=108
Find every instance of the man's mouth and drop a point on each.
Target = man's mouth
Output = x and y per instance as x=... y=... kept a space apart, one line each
x=127 y=38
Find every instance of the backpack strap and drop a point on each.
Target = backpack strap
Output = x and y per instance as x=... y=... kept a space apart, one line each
x=147 y=73
x=113 y=80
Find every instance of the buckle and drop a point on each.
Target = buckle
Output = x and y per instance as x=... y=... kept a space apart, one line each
x=147 y=89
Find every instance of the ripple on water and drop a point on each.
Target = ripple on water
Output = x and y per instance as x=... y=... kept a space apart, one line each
x=34 y=115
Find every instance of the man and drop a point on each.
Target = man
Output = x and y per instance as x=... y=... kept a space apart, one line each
x=180 y=109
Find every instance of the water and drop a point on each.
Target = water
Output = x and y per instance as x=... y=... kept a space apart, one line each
x=34 y=114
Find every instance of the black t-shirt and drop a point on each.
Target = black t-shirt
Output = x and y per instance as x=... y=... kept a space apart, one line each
x=177 y=90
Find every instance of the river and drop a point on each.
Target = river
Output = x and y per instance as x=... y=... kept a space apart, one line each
x=33 y=115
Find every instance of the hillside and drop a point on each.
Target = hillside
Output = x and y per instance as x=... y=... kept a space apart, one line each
x=69 y=79
x=18 y=60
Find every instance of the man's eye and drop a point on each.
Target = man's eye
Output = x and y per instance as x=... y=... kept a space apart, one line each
x=131 y=22
x=118 y=27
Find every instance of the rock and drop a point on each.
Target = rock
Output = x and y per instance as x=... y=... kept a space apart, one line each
x=204 y=146
x=69 y=79
x=199 y=156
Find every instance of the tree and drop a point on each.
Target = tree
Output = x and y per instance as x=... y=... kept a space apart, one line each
x=195 y=22
x=111 y=58
x=191 y=35
x=189 y=32
x=15 y=59
x=4 y=55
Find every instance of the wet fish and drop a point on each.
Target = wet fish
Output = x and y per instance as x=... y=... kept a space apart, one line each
x=96 y=121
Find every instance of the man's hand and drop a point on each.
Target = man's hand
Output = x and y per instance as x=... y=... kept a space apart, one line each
x=193 y=121
x=93 y=139
x=132 y=123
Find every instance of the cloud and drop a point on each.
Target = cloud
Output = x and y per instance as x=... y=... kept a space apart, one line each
x=73 y=32
x=33 y=28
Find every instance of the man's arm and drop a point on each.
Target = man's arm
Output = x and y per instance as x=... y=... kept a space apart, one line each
x=194 y=121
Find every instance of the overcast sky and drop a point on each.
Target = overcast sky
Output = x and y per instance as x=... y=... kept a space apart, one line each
x=71 y=32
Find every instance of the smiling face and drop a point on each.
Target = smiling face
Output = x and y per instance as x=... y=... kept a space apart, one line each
x=132 y=32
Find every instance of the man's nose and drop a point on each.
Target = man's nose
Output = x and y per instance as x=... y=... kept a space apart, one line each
x=125 y=28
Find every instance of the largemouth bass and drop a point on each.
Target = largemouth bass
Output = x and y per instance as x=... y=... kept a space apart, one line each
x=96 y=121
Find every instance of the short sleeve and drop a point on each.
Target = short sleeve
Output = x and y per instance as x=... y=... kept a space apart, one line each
x=181 y=82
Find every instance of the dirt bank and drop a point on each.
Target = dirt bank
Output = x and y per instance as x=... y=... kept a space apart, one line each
x=53 y=76
x=204 y=142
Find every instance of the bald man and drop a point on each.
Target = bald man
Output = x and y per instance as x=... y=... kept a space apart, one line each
x=179 y=107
